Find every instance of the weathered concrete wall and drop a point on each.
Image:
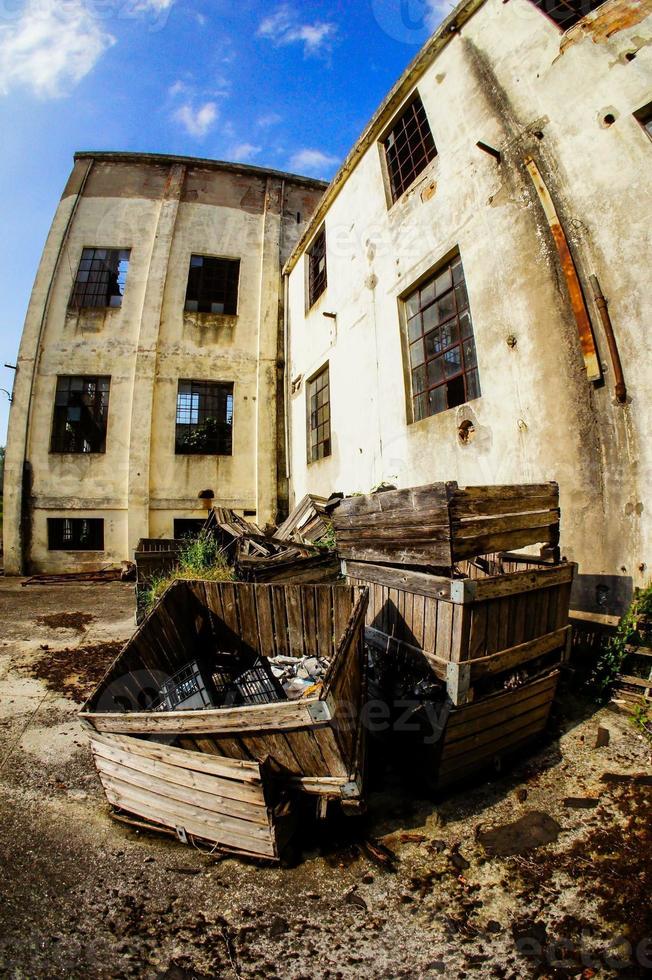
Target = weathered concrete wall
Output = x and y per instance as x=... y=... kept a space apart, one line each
x=511 y=79
x=164 y=211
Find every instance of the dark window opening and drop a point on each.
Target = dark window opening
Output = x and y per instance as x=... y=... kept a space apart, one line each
x=101 y=278
x=443 y=362
x=204 y=418
x=75 y=534
x=565 y=13
x=319 y=416
x=409 y=148
x=213 y=285
x=644 y=117
x=317 y=274
x=188 y=528
x=81 y=410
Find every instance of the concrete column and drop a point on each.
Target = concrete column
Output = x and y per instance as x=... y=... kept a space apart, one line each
x=268 y=328
x=140 y=438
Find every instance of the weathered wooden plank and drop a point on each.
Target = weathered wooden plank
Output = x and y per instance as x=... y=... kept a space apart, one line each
x=521 y=654
x=280 y=620
x=264 y=621
x=478 y=634
x=498 y=702
x=511 y=732
x=430 y=553
x=376 y=533
x=464 y=507
x=516 y=538
x=431 y=497
x=296 y=628
x=495 y=719
x=193 y=761
x=502 y=525
x=419 y=583
x=324 y=603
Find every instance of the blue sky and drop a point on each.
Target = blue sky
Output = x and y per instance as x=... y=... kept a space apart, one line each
x=283 y=85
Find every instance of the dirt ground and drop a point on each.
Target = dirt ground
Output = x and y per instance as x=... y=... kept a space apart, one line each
x=541 y=872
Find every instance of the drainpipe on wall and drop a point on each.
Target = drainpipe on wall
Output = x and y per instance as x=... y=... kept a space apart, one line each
x=286 y=385
x=603 y=308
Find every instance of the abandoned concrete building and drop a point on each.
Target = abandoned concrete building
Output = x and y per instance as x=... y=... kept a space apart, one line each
x=147 y=380
x=442 y=317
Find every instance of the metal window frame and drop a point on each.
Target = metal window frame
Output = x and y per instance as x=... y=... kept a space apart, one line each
x=643 y=117
x=451 y=261
x=402 y=174
x=184 y=430
x=213 y=267
x=65 y=533
x=91 y=289
x=316 y=280
x=322 y=446
x=566 y=13
x=67 y=435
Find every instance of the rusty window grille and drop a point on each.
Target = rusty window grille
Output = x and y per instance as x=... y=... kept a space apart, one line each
x=101 y=278
x=213 y=285
x=443 y=363
x=204 y=418
x=409 y=148
x=75 y=534
x=81 y=411
x=565 y=13
x=317 y=272
x=319 y=416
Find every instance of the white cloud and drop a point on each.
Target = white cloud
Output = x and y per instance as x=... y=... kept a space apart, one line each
x=50 y=46
x=437 y=11
x=284 y=27
x=271 y=119
x=244 y=152
x=197 y=121
x=312 y=161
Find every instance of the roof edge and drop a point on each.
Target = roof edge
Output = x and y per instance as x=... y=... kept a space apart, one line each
x=417 y=67
x=120 y=156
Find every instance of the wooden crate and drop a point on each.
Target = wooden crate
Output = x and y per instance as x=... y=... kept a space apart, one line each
x=316 y=743
x=470 y=632
x=441 y=524
x=230 y=803
x=154 y=557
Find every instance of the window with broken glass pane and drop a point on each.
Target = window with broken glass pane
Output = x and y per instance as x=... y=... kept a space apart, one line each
x=101 y=278
x=81 y=411
x=213 y=285
x=565 y=13
x=317 y=273
x=443 y=363
x=409 y=148
x=204 y=418
x=319 y=416
x=75 y=534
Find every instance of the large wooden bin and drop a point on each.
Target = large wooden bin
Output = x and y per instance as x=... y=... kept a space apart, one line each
x=315 y=744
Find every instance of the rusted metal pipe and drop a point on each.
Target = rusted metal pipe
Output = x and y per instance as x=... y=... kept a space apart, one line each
x=601 y=303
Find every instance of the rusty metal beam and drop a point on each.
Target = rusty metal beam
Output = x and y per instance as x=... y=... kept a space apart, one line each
x=585 y=329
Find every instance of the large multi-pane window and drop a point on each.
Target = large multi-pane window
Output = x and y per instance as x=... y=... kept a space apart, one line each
x=81 y=411
x=565 y=13
x=213 y=285
x=317 y=272
x=319 y=416
x=204 y=418
x=443 y=363
x=101 y=278
x=409 y=147
x=75 y=534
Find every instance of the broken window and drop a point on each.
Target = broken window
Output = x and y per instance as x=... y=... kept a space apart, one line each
x=319 y=416
x=317 y=276
x=204 y=418
x=565 y=13
x=75 y=534
x=443 y=363
x=101 y=278
x=81 y=410
x=213 y=285
x=409 y=148
x=644 y=117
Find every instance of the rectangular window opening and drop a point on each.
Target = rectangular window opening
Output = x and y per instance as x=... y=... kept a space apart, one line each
x=204 y=422
x=213 y=285
x=75 y=534
x=81 y=411
x=644 y=117
x=101 y=278
x=319 y=416
x=565 y=13
x=188 y=528
x=409 y=147
x=317 y=271
x=441 y=345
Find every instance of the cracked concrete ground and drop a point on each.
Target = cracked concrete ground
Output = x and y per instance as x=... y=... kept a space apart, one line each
x=84 y=896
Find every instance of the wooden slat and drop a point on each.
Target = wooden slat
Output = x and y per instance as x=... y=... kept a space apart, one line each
x=527 y=725
x=516 y=538
x=515 y=583
x=521 y=654
x=432 y=497
x=280 y=621
x=498 y=702
x=419 y=583
x=494 y=719
x=197 y=762
x=299 y=641
x=430 y=553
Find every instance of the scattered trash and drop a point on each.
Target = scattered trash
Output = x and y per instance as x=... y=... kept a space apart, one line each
x=299 y=678
x=603 y=737
x=379 y=854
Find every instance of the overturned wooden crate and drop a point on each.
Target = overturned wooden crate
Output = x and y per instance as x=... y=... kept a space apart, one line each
x=315 y=744
x=233 y=804
x=494 y=639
